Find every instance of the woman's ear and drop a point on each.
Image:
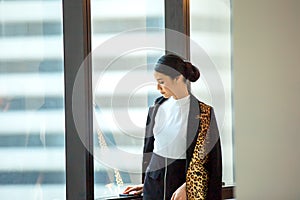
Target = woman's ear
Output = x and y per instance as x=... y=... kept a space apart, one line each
x=176 y=79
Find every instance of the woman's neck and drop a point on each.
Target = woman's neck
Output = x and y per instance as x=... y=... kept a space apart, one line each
x=181 y=94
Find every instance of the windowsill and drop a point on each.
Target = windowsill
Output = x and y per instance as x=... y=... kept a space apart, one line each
x=227 y=193
x=120 y=198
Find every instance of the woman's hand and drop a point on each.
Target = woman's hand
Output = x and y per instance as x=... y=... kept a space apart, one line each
x=180 y=193
x=136 y=189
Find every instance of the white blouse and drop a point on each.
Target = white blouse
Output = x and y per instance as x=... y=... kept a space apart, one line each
x=170 y=128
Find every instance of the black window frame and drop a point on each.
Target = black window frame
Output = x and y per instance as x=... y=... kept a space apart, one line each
x=77 y=45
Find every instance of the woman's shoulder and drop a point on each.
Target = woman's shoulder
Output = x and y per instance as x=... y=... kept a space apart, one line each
x=195 y=100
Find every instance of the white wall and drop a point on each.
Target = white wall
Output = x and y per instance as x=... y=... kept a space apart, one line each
x=266 y=61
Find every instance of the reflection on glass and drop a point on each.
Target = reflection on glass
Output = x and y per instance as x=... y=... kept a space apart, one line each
x=123 y=85
x=210 y=33
x=32 y=161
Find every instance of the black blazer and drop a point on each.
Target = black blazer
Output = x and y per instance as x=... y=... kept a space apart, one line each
x=200 y=115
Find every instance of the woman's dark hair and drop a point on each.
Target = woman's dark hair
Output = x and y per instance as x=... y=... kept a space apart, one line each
x=172 y=65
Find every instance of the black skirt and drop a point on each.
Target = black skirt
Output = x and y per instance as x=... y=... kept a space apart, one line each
x=163 y=177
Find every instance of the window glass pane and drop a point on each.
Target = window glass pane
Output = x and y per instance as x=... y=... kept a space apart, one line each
x=126 y=40
x=32 y=161
x=211 y=51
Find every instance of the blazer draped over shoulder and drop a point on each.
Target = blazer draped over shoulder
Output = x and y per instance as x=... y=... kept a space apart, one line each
x=203 y=153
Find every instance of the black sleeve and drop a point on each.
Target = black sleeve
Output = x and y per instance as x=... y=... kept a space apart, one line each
x=149 y=138
x=148 y=145
x=215 y=161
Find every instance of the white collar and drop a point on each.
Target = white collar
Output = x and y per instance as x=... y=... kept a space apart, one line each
x=181 y=101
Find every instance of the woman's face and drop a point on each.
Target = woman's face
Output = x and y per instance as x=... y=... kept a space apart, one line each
x=165 y=84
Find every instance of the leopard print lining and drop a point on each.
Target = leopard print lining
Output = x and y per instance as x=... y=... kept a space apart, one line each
x=197 y=176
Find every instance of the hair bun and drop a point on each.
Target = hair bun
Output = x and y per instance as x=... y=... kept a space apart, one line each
x=192 y=72
x=173 y=66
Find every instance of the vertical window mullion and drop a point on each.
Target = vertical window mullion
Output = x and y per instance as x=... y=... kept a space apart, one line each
x=177 y=21
x=79 y=145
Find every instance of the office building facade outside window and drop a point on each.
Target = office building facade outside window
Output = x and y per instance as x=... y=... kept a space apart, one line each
x=32 y=143
x=32 y=129
x=210 y=32
x=123 y=58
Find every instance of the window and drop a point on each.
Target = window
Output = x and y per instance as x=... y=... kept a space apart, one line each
x=121 y=101
x=32 y=150
x=126 y=41
x=211 y=51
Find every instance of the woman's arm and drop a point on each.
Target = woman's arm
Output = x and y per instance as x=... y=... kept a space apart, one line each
x=180 y=193
x=215 y=161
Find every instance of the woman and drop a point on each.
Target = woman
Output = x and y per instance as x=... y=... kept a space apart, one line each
x=182 y=153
